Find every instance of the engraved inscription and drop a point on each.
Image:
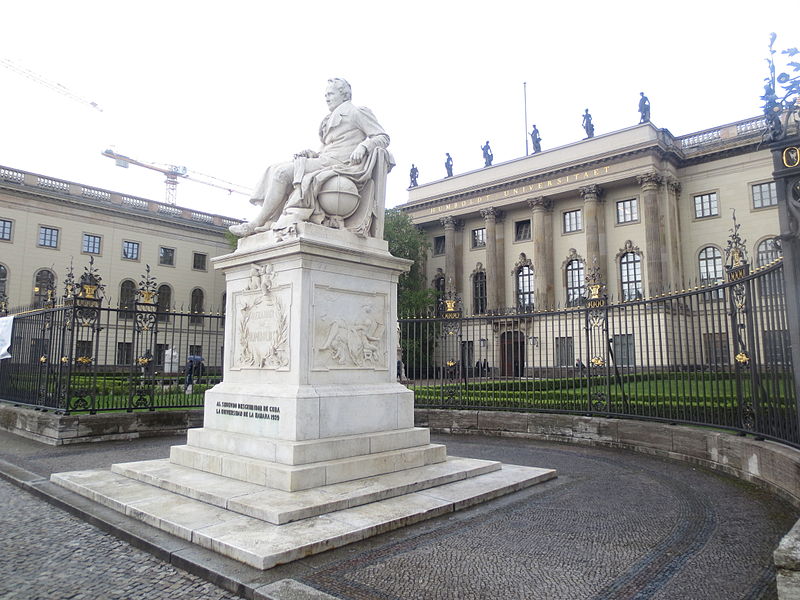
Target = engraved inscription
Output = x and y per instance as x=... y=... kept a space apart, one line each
x=248 y=411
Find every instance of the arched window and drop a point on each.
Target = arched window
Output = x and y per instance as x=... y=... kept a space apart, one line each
x=127 y=299
x=772 y=284
x=44 y=287
x=197 y=306
x=710 y=265
x=524 y=286
x=576 y=280
x=766 y=252
x=479 y=292
x=3 y=280
x=164 y=302
x=630 y=275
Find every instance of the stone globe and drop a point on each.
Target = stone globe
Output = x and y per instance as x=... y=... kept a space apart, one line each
x=338 y=196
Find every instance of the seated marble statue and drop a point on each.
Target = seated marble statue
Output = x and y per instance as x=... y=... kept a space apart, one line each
x=342 y=185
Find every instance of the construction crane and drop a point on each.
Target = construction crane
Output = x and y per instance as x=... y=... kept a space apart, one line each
x=57 y=87
x=172 y=172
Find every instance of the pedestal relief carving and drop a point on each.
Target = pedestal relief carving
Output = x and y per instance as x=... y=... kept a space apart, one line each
x=349 y=330
x=261 y=328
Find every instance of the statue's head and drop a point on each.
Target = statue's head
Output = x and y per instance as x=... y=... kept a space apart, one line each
x=338 y=91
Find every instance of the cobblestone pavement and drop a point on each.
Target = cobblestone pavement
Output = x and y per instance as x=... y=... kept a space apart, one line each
x=49 y=554
x=613 y=525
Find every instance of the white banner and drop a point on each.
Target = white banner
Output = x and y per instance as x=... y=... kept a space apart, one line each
x=6 y=325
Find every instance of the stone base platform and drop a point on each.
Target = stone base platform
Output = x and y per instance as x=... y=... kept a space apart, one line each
x=263 y=527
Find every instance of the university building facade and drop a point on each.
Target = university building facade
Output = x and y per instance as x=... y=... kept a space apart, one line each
x=49 y=227
x=648 y=212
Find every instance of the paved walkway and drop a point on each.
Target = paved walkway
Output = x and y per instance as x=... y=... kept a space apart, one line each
x=613 y=525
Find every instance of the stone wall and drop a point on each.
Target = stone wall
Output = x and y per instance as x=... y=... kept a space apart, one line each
x=56 y=429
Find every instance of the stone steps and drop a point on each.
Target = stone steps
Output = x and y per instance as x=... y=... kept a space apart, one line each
x=262 y=544
x=278 y=506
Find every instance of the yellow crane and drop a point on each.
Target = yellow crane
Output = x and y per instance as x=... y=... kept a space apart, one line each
x=173 y=172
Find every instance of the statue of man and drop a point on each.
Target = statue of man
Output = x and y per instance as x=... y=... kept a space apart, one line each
x=588 y=126
x=448 y=165
x=644 y=108
x=414 y=174
x=487 y=155
x=287 y=191
x=536 y=140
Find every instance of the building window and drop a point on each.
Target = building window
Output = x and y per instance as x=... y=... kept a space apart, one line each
x=765 y=194
x=5 y=230
x=130 y=250
x=438 y=245
x=522 y=230
x=127 y=299
x=716 y=348
x=479 y=237
x=630 y=276
x=48 y=237
x=524 y=286
x=166 y=256
x=199 y=261
x=3 y=280
x=771 y=284
x=124 y=353
x=44 y=285
x=710 y=267
x=479 y=293
x=195 y=350
x=576 y=281
x=197 y=306
x=627 y=211
x=565 y=352
x=83 y=348
x=624 y=350
x=572 y=221
x=706 y=205
x=91 y=244
x=164 y=302
x=776 y=347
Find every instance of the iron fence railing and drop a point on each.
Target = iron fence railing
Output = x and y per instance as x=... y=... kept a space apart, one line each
x=716 y=355
x=84 y=357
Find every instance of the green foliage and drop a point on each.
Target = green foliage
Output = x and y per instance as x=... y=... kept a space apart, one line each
x=406 y=241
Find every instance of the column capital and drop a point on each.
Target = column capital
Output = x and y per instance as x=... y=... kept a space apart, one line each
x=448 y=222
x=540 y=203
x=491 y=213
x=674 y=185
x=591 y=192
x=650 y=181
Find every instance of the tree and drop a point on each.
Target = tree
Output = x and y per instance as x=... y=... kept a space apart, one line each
x=414 y=297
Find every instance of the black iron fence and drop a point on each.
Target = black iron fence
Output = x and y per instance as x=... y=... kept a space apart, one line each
x=715 y=355
x=77 y=355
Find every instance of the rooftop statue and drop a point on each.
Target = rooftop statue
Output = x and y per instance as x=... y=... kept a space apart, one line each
x=342 y=185
x=487 y=155
x=413 y=174
x=536 y=140
x=448 y=165
x=644 y=108
x=588 y=126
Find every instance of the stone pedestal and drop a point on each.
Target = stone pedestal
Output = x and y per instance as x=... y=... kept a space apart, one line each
x=309 y=441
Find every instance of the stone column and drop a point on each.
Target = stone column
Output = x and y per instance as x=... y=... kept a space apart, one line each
x=674 y=276
x=591 y=223
x=490 y=216
x=544 y=292
x=654 y=260
x=449 y=224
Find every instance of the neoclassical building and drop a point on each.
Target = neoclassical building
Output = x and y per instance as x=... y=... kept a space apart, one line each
x=652 y=211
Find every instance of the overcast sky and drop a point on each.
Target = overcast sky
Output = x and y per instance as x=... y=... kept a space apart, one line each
x=228 y=88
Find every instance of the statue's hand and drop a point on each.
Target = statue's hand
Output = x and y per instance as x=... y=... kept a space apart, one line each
x=358 y=154
x=307 y=154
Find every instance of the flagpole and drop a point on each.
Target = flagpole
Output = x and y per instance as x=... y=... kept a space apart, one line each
x=525 y=98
